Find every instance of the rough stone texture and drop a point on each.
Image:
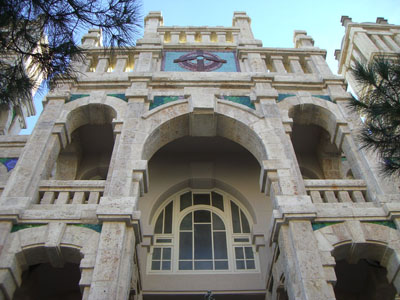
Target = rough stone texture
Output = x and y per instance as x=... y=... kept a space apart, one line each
x=301 y=224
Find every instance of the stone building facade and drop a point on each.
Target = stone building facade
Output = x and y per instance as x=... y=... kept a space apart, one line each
x=197 y=161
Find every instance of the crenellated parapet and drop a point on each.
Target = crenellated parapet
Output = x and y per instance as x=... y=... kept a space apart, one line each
x=364 y=41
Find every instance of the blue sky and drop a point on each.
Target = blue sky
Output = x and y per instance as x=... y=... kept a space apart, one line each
x=273 y=22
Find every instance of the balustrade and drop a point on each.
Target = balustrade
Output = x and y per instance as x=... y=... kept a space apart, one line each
x=70 y=191
x=336 y=191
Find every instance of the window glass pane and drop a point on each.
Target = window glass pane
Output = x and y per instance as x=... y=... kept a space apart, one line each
x=159 y=223
x=217 y=223
x=221 y=265
x=217 y=201
x=166 y=265
x=220 y=251
x=185 y=265
x=239 y=253
x=166 y=255
x=199 y=199
x=186 y=200
x=186 y=223
x=156 y=253
x=185 y=245
x=168 y=219
x=155 y=265
x=249 y=252
x=203 y=265
x=240 y=265
x=250 y=264
x=202 y=241
x=235 y=218
x=202 y=216
x=245 y=223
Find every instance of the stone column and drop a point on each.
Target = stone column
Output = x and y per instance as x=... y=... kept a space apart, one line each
x=388 y=40
x=363 y=42
x=306 y=272
x=295 y=66
x=127 y=180
x=378 y=41
x=144 y=63
x=321 y=65
x=37 y=159
x=92 y=39
x=103 y=64
x=277 y=63
x=256 y=63
x=121 y=63
x=206 y=36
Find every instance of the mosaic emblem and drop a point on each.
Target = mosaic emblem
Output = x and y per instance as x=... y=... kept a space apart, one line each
x=201 y=61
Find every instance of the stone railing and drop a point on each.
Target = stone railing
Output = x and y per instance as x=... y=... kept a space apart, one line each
x=336 y=191
x=70 y=191
x=200 y=35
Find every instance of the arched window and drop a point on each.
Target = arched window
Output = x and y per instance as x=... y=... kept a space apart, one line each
x=202 y=231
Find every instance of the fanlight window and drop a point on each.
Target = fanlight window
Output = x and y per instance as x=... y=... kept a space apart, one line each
x=202 y=231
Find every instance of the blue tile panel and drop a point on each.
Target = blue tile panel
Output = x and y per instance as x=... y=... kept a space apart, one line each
x=284 y=96
x=77 y=96
x=389 y=224
x=160 y=100
x=95 y=227
x=244 y=100
x=18 y=227
x=9 y=163
x=119 y=96
x=323 y=97
x=212 y=61
x=316 y=226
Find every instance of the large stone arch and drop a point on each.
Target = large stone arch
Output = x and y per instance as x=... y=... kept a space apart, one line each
x=55 y=243
x=313 y=111
x=238 y=125
x=354 y=240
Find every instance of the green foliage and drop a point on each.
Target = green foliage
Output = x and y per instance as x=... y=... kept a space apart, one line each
x=379 y=104
x=42 y=34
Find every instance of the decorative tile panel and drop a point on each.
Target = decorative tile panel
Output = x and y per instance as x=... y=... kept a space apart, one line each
x=9 y=163
x=200 y=61
x=77 y=96
x=244 y=100
x=160 y=100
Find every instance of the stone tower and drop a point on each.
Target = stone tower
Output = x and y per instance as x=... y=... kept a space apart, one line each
x=197 y=161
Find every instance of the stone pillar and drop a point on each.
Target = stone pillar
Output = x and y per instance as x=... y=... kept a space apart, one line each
x=242 y=21
x=37 y=159
x=190 y=36
x=378 y=41
x=307 y=276
x=144 y=62
x=221 y=36
x=366 y=46
x=277 y=63
x=256 y=63
x=151 y=23
x=206 y=36
x=103 y=64
x=114 y=263
x=295 y=66
x=321 y=65
x=121 y=63
x=127 y=180
x=302 y=40
x=392 y=44
x=92 y=39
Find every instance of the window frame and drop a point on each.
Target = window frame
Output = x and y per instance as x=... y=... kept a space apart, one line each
x=178 y=216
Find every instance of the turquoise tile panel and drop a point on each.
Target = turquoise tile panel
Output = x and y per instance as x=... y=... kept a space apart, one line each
x=244 y=100
x=160 y=100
